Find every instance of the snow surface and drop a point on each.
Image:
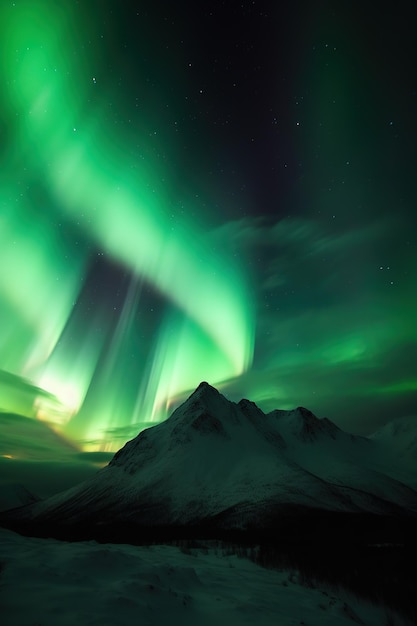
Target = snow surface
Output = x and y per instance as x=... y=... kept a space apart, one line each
x=51 y=583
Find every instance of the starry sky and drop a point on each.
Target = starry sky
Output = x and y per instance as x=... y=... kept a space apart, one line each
x=220 y=191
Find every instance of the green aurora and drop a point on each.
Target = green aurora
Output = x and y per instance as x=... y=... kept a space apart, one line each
x=125 y=282
x=206 y=330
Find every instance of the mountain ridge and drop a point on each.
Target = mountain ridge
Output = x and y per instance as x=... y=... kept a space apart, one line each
x=214 y=459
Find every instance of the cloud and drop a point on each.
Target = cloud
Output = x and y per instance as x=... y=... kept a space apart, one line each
x=26 y=438
x=99 y=458
x=117 y=433
x=19 y=395
x=313 y=255
x=7 y=379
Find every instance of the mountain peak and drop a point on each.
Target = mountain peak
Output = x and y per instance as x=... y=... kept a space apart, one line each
x=204 y=387
x=302 y=424
x=203 y=412
x=205 y=395
x=306 y=412
x=204 y=390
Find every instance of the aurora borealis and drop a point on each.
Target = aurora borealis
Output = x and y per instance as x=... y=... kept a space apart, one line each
x=205 y=327
x=223 y=193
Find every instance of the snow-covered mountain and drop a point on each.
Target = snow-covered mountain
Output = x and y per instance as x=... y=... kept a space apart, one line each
x=214 y=461
x=400 y=435
x=397 y=446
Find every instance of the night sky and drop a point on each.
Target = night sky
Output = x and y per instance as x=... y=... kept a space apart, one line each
x=220 y=191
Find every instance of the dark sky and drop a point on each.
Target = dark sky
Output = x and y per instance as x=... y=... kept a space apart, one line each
x=216 y=191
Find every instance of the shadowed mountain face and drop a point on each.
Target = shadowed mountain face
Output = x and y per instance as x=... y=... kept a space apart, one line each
x=223 y=464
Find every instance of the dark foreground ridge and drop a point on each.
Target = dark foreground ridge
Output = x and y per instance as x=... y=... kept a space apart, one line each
x=291 y=526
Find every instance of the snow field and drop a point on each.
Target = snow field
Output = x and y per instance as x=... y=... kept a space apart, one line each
x=46 y=582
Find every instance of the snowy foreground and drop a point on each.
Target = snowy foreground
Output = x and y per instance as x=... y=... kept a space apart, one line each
x=46 y=582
